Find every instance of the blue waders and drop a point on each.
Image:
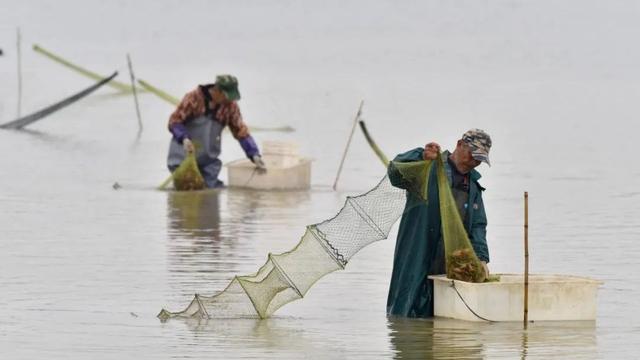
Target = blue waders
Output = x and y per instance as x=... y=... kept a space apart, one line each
x=205 y=132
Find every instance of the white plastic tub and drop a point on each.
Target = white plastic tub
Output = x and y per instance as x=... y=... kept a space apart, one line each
x=551 y=297
x=282 y=174
x=286 y=170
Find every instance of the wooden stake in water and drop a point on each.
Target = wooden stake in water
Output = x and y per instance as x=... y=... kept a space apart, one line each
x=526 y=258
x=18 y=45
x=135 y=94
x=344 y=155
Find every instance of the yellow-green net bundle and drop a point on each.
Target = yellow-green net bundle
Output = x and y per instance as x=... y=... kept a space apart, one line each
x=187 y=176
x=460 y=258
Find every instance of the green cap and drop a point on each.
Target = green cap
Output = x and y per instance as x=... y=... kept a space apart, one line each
x=228 y=84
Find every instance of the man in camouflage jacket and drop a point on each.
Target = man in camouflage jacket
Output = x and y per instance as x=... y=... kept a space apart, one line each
x=197 y=125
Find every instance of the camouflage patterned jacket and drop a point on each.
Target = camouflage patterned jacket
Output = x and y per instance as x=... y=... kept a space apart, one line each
x=192 y=105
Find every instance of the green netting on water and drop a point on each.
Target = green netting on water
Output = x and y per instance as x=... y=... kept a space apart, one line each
x=187 y=176
x=328 y=246
x=325 y=247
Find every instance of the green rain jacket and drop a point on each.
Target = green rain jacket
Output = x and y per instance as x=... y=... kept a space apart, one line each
x=419 y=246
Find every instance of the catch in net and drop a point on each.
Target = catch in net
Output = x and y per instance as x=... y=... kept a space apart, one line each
x=187 y=176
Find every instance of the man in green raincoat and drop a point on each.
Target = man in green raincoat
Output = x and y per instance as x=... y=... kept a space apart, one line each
x=419 y=247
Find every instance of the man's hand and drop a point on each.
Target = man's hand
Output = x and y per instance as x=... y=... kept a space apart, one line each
x=187 y=145
x=485 y=268
x=431 y=151
x=257 y=160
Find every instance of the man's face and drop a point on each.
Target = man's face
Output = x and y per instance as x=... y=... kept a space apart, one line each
x=465 y=162
x=218 y=96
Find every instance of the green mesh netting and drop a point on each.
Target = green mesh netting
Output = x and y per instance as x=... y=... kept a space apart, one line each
x=328 y=246
x=416 y=176
x=187 y=176
x=460 y=258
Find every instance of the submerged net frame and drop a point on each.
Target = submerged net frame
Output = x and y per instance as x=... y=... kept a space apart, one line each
x=328 y=246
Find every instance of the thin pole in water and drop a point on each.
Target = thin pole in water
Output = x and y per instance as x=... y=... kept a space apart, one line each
x=18 y=45
x=344 y=155
x=526 y=258
x=135 y=94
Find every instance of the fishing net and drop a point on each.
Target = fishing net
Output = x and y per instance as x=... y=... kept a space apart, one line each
x=460 y=258
x=187 y=176
x=328 y=246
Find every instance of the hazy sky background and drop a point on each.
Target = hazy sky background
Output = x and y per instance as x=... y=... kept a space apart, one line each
x=565 y=69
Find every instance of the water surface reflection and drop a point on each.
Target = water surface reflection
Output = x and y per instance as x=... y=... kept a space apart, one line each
x=434 y=339
x=194 y=214
x=214 y=235
x=452 y=339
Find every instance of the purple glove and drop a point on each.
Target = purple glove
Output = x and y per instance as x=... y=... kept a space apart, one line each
x=179 y=132
x=249 y=146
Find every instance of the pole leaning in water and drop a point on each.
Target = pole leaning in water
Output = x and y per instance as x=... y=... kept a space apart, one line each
x=374 y=146
x=19 y=53
x=90 y=74
x=526 y=258
x=344 y=155
x=135 y=94
x=19 y=123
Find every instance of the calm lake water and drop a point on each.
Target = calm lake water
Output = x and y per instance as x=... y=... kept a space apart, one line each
x=84 y=268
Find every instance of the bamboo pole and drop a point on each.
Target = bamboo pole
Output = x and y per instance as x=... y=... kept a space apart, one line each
x=159 y=93
x=19 y=53
x=526 y=258
x=344 y=155
x=135 y=94
x=374 y=146
x=42 y=113
x=90 y=74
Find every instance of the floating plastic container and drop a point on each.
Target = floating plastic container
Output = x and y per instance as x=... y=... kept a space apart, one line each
x=551 y=298
x=286 y=170
x=281 y=153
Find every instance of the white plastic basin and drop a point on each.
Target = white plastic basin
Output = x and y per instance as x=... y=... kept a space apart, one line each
x=283 y=173
x=551 y=297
